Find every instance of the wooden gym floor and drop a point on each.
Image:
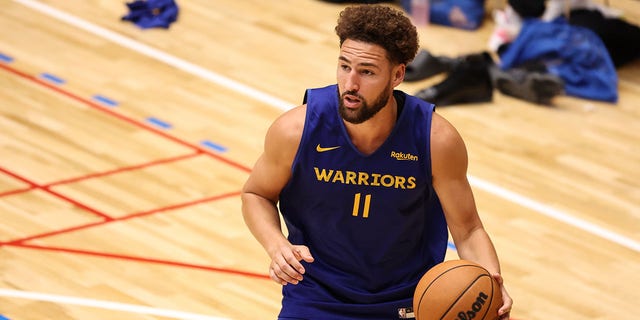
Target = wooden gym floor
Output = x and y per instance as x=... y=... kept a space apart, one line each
x=123 y=152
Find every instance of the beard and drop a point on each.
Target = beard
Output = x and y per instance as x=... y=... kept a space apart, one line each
x=366 y=111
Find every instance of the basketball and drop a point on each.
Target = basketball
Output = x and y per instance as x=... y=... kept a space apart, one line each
x=459 y=290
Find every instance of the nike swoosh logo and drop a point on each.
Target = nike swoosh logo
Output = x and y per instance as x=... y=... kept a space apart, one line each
x=325 y=149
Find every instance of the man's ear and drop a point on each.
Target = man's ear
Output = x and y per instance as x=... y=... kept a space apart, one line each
x=398 y=74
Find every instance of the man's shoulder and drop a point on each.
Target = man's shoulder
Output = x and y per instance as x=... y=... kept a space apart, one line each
x=292 y=120
x=444 y=135
x=285 y=133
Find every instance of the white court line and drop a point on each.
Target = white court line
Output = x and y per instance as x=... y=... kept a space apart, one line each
x=555 y=214
x=116 y=306
x=270 y=100
x=155 y=53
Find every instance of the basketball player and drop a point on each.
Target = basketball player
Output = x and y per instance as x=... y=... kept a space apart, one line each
x=367 y=179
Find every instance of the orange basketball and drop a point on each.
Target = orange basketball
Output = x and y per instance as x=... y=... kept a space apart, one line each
x=459 y=290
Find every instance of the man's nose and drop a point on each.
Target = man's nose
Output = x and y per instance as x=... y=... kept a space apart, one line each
x=353 y=82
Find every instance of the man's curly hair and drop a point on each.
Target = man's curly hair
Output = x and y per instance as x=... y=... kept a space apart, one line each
x=381 y=25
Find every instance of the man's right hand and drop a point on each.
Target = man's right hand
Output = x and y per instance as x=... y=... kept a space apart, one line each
x=285 y=264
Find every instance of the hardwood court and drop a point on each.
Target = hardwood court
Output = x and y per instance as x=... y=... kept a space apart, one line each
x=123 y=152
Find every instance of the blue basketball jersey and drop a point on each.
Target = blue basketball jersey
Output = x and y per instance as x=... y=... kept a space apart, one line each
x=372 y=222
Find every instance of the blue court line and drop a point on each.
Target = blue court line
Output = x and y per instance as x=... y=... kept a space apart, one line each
x=106 y=101
x=3 y=317
x=51 y=78
x=451 y=246
x=213 y=146
x=7 y=59
x=159 y=123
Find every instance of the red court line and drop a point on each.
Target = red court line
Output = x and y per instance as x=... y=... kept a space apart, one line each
x=78 y=204
x=53 y=233
x=127 y=217
x=32 y=186
x=100 y=174
x=15 y=191
x=96 y=106
x=120 y=116
x=124 y=169
x=17 y=177
x=56 y=194
x=143 y=259
x=21 y=242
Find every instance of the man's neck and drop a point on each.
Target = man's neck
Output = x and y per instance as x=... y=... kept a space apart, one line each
x=371 y=134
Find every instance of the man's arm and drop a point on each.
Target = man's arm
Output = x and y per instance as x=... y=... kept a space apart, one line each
x=449 y=163
x=261 y=192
